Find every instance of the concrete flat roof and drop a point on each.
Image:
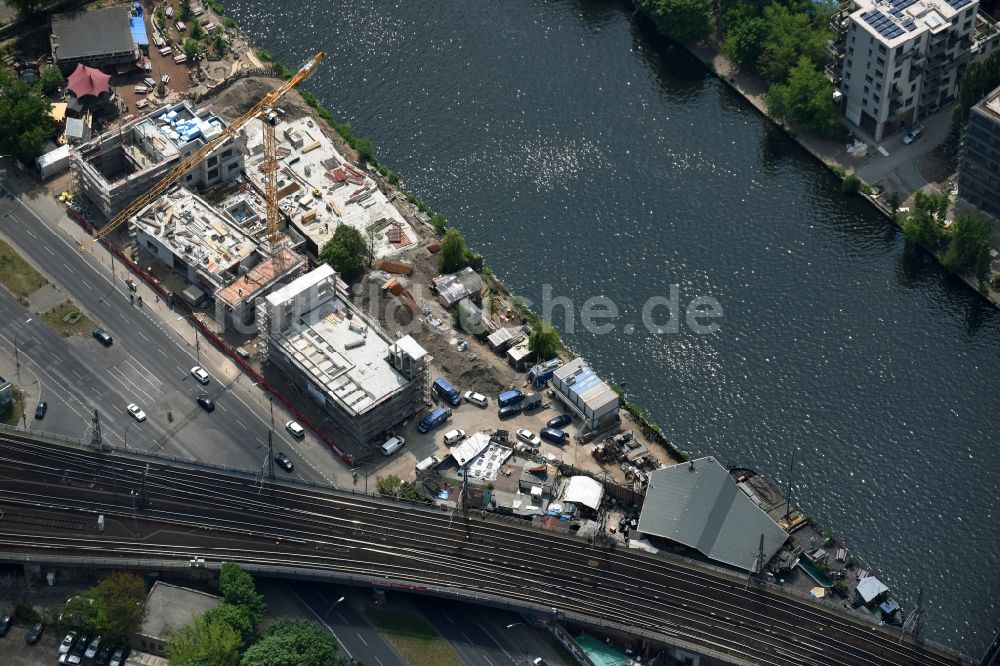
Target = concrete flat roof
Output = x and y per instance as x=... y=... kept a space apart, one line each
x=322 y=190
x=169 y=607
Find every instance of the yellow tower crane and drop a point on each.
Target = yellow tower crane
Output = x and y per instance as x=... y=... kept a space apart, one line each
x=269 y=166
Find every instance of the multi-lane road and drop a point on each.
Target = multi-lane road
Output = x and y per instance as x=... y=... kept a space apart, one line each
x=149 y=364
x=50 y=495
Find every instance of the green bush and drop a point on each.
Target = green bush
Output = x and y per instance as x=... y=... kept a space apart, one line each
x=851 y=184
x=265 y=55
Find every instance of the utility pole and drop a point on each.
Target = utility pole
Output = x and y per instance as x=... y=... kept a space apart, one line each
x=96 y=440
x=270 y=456
x=788 y=490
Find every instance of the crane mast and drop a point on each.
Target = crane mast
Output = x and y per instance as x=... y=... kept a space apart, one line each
x=270 y=162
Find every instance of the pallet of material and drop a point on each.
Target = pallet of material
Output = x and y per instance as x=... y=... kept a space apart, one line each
x=312 y=146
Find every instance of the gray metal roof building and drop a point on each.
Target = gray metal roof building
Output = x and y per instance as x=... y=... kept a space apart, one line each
x=97 y=37
x=700 y=506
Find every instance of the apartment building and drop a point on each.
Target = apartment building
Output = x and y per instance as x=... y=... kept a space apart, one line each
x=898 y=61
x=979 y=169
x=119 y=165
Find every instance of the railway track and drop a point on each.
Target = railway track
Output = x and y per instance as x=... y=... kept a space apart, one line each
x=156 y=511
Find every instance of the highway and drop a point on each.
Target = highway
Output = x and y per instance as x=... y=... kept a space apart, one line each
x=50 y=496
x=148 y=364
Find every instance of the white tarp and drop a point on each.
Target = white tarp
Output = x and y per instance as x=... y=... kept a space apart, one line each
x=584 y=490
x=470 y=447
x=870 y=587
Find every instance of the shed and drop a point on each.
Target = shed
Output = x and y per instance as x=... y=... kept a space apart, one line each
x=869 y=589
x=520 y=356
x=502 y=340
x=583 y=490
x=53 y=163
x=466 y=283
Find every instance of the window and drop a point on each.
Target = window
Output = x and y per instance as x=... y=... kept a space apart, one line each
x=880 y=62
x=867 y=90
x=878 y=87
x=876 y=98
x=897 y=73
x=909 y=101
x=846 y=87
x=227 y=153
x=913 y=88
x=881 y=48
x=850 y=50
x=849 y=63
x=213 y=174
x=847 y=75
x=213 y=160
x=234 y=165
x=878 y=74
x=864 y=102
x=868 y=78
x=187 y=178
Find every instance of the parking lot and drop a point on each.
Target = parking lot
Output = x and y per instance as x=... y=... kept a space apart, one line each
x=16 y=652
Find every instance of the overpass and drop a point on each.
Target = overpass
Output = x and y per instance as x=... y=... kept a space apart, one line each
x=161 y=514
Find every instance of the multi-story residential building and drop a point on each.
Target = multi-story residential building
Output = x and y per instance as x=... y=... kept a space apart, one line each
x=366 y=381
x=979 y=169
x=119 y=165
x=898 y=61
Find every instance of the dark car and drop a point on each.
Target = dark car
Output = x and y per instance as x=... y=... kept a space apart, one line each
x=284 y=462
x=5 y=623
x=103 y=337
x=559 y=422
x=41 y=409
x=35 y=633
x=509 y=411
x=207 y=403
x=553 y=435
x=104 y=656
x=118 y=658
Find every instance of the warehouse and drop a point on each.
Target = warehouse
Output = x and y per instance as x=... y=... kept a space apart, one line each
x=578 y=387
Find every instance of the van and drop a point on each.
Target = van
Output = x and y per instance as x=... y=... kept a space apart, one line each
x=427 y=463
x=554 y=435
x=392 y=445
x=433 y=420
x=511 y=397
x=447 y=392
x=532 y=401
x=454 y=436
x=140 y=90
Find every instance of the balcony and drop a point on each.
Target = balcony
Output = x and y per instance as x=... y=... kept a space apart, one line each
x=834 y=72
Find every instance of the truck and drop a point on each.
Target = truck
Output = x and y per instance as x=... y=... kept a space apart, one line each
x=447 y=392
x=532 y=401
x=543 y=372
x=433 y=419
x=511 y=397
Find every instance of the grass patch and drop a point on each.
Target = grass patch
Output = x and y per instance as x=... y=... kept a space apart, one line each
x=414 y=639
x=17 y=274
x=12 y=416
x=66 y=320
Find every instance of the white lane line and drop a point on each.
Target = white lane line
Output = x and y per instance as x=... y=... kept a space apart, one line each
x=124 y=380
x=87 y=285
x=488 y=660
x=78 y=375
x=378 y=660
x=162 y=352
x=145 y=373
x=69 y=269
x=226 y=410
x=323 y=622
x=32 y=234
x=123 y=316
x=143 y=336
x=447 y=618
x=362 y=639
x=47 y=249
x=242 y=424
x=497 y=642
x=342 y=618
x=466 y=637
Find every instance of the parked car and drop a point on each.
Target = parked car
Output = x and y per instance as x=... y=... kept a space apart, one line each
x=5 y=623
x=295 y=429
x=67 y=642
x=104 y=655
x=206 y=403
x=560 y=421
x=528 y=437
x=554 y=435
x=92 y=649
x=41 y=409
x=284 y=462
x=914 y=134
x=477 y=399
x=509 y=411
x=103 y=337
x=446 y=392
x=531 y=401
x=454 y=436
x=118 y=658
x=136 y=413
x=199 y=373
x=71 y=659
x=35 y=633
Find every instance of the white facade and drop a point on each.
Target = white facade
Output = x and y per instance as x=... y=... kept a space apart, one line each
x=901 y=60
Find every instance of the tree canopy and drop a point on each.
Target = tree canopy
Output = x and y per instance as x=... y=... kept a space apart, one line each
x=969 y=244
x=453 y=252
x=683 y=20
x=293 y=643
x=544 y=341
x=25 y=119
x=238 y=589
x=745 y=42
x=122 y=595
x=346 y=252
x=237 y=617
x=51 y=79
x=790 y=37
x=24 y=8
x=921 y=223
x=204 y=642
x=806 y=99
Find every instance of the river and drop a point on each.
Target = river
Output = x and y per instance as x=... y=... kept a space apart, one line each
x=574 y=147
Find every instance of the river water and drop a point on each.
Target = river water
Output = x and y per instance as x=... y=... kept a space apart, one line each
x=574 y=147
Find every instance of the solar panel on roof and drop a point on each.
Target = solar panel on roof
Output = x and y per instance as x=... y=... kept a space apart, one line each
x=958 y=4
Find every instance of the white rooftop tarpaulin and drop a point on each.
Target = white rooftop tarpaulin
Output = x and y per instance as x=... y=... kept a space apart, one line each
x=870 y=587
x=584 y=490
x=470 y=447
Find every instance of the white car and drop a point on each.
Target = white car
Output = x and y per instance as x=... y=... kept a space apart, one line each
x=199 y=373
x=454 y=436
x=70 y=659
x=913 y=134
x=92 y=649
x=295 y=429
x=476 y=398
x=67 y=642
x=528 y=437
x=136 y=413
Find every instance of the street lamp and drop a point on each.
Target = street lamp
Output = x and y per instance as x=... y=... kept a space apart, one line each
x=332 y=607
x=17 y=358
x=127 y=426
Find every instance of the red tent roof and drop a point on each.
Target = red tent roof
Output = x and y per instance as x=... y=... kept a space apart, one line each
x=87 y=81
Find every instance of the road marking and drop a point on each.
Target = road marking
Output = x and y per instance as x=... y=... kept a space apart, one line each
x=30 y=232
x=87 y=285
x=466 y=637
x=226 y=410
x=123 y=316
x=496 y=641
x=361 y=638
x=69 y=269
x=488 y=660
x=323 y=622
x=47 y=249
x=143 y=336
x=342 y=618
x=124 y=380
x=241 y=423
x=378 y=660
x=447 y=618
x=78 y=375
x=162 y=352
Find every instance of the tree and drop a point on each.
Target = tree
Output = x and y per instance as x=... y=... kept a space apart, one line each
x=895 y=201
x=390 y=485
x=236 y=617
x=683 y=20
x=201 y=642
x=921 y=224
x=452 y=252
x=122 y=595
x=346 y=252
x=52 y=79
x=25 y=119
x=190 y=48
x=196 y=30
x=806 y=100
x=219 y=43
x=969 y=244
x=25 y=8
x=184 y=10
x=85 y=610
x=544 y=341
x=238 y=588
x=745 y=42
x=439 y=223
x=790 y=37
x=980 y=78
x=293 y=643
